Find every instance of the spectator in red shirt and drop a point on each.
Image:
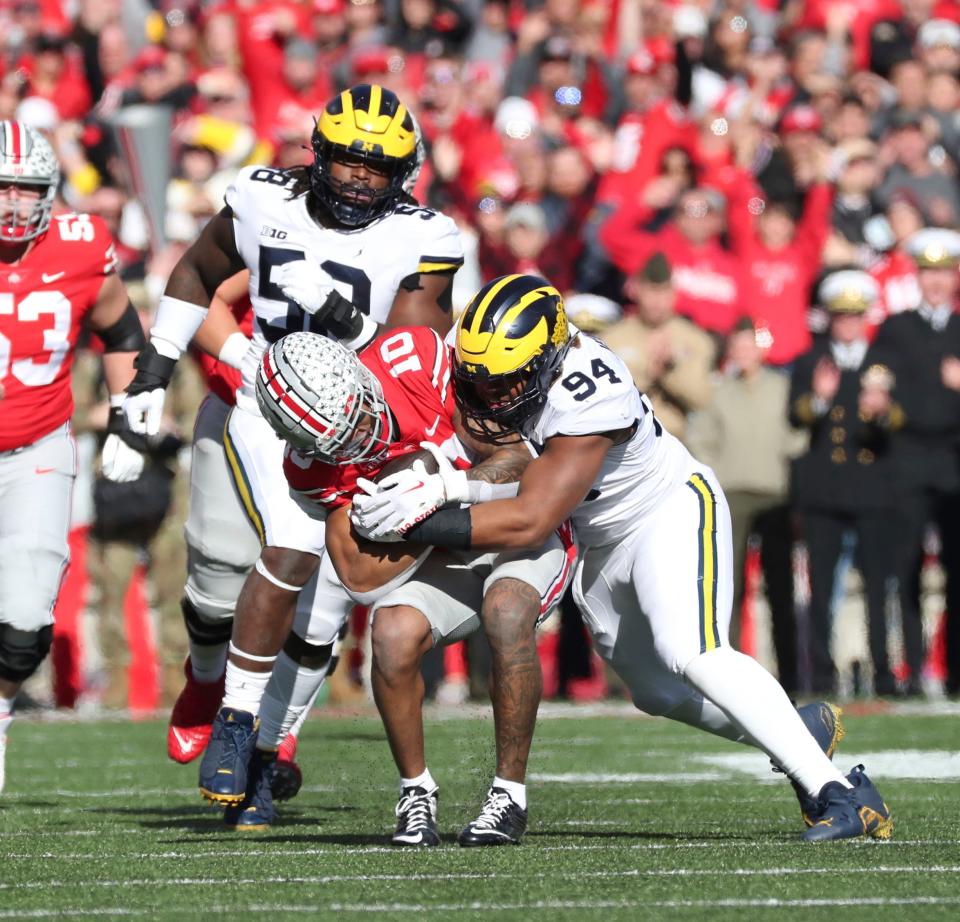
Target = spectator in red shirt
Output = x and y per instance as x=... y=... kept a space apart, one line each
x=706 y=276
x=780 y=259
x=54 y=77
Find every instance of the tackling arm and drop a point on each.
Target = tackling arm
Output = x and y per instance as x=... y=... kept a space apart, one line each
x=424 y=299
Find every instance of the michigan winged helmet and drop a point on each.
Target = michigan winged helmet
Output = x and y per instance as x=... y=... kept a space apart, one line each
x=511 y=342
x=368 y=124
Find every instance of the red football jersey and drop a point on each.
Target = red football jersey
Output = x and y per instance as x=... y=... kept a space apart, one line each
x=43 y=302
x=413 y=367
x=223 y=380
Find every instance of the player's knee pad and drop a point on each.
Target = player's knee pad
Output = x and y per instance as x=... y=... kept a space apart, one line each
x=204 y=632
x=22 y=652
x=310 y=655
x=213 y=587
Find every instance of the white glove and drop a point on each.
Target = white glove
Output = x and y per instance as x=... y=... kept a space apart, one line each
x=119 y=462
x=144 y=411
x=304 y=282
x=387 y=510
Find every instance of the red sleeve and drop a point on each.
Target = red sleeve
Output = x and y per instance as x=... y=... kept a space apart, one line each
x=814 y=225
x=626 y=244
x=740 y=219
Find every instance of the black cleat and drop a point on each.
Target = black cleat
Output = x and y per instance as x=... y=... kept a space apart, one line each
x=417 y=818
x=255 y=813
x=223 y=770
x=850 y=813
x=501 y=822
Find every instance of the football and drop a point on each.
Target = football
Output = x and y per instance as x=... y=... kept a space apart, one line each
x=405 y=462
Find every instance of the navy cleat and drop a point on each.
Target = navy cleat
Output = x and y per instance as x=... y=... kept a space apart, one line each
x=255 y=812
x=822 y=719
x=501 y=822
x=849 y=813
x=417 y=817
x=223 y=770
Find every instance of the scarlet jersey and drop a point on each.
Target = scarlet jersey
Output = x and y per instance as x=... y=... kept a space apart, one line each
x=43 y=302
x=221 y=379
x=413 y=367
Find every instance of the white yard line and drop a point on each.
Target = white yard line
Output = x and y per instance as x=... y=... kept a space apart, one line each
x=457 y=876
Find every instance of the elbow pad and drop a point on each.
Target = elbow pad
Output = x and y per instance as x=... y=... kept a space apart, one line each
x=126 y=335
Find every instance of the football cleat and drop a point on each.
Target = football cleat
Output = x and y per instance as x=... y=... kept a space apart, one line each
x=255 y=812
x=849 y=813
x=223 y=771
x=822 y=719
x=191 y=719
x=501 y=822
x=417 y=817
x=287 y=776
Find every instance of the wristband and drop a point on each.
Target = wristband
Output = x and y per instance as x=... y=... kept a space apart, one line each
x=368 y=331
x=175 y=325
x=234 y=349
x=450 y=528
x=478 y=491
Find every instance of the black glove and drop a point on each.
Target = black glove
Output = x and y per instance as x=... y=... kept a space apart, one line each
x=339 y=318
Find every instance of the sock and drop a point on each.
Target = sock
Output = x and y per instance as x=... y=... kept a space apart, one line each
x=516 y=790
x=6 y=706
x=243 y=689
x=424 y=780
x=207 y=661
x=754 y=701
x=287 y=700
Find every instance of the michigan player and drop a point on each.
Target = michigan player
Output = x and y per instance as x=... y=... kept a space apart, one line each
x=336 y=248
x=654 y=581
x=57 y=276
x=346 y=416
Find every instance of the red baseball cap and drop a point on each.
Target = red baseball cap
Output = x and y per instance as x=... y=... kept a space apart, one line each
x=801 y=118
x=329 y=7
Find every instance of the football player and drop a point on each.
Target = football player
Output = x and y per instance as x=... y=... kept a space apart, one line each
x=654 y=580
x=57 y=276
x=338 y=248
x=345 y=417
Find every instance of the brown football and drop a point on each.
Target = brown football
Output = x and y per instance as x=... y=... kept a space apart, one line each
x=405 y=462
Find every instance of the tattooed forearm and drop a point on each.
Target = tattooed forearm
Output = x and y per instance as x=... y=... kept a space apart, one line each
x=505 y=465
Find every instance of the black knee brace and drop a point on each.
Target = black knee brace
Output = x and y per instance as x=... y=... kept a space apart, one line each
x=204 y=633
x=22 y=652
x=311 y=655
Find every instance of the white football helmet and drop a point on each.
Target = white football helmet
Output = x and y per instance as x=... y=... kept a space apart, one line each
x=318 y=396
x=26 y=159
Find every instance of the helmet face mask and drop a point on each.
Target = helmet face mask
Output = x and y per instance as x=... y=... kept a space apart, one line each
x=317 y=396
x=27 y=164
x=369 y=125
x=511 y=343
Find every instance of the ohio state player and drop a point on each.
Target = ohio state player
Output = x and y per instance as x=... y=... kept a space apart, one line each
x=344 y=417
x=56 y=276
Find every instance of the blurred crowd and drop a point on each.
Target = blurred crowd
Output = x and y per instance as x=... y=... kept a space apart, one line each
x=691 y=174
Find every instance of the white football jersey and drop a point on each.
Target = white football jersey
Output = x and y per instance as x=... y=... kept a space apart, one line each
x=366 y=264
x=595 y=393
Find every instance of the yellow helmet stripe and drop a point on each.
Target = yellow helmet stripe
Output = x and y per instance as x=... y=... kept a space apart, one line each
x=375 y=95
x=476 y=313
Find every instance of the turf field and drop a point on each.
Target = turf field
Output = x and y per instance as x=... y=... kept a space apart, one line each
x=631 y=818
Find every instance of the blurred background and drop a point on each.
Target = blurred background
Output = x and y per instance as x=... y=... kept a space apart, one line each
x=690 y=175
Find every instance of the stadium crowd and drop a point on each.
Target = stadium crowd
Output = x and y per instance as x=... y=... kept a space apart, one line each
x=754 y=203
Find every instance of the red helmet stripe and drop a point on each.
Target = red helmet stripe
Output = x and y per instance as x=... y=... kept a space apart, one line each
x=17 y=145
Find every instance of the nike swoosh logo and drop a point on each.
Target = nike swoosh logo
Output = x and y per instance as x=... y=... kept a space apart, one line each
x=44 y=470
x=47 y=279
x=417 y=486
x=184 y=742
x=429 y=432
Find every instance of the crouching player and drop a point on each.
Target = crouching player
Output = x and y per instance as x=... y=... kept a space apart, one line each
x=345 y=417
x=654 y=580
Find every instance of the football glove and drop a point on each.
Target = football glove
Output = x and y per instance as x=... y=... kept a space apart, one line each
x=143 y=405
x=122 y=459
x=305 y=283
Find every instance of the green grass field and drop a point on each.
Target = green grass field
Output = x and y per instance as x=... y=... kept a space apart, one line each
x=630 y=818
